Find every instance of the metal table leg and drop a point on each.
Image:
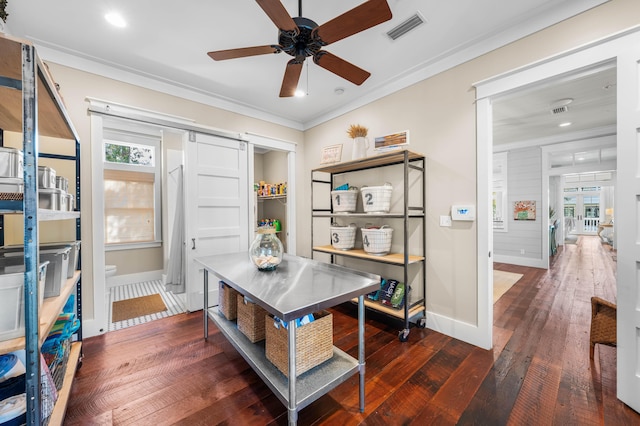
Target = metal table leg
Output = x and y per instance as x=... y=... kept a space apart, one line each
x=206 y=304
x=361 y=348
x=293 y=405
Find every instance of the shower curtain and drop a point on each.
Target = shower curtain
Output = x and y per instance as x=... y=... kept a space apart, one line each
x=175 y=281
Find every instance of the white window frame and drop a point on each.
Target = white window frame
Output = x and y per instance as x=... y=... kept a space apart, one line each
x=125 y=135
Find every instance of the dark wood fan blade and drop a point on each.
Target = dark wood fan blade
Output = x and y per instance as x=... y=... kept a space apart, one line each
x=278 y=14
x=360 y=18
x=290 y=80
x=340 y=67
x=221 y=55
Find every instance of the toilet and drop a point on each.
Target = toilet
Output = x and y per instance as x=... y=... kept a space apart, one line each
x=110 y=270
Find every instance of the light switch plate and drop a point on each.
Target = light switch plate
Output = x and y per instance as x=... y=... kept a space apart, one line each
x=445 y=220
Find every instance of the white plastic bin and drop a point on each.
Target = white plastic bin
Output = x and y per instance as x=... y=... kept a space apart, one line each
x=376 y=199
x=344 y=201
x=343 y=237
x=12 y=295
x=57 y=272
x=74 y=254
x=377 y=241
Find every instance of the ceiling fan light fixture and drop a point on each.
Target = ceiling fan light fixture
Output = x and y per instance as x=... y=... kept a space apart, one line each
x=115 y=19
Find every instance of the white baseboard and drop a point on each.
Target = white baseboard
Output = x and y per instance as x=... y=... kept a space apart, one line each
x=139 y=277
x=521 y=261
x=90 y=328
x=458 y=330
x=195 y=300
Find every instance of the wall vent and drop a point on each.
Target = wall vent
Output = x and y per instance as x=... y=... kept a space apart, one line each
x=560 y=110
x=406 y=26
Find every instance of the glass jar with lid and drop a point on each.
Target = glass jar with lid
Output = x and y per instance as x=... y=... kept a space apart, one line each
x=266 y=250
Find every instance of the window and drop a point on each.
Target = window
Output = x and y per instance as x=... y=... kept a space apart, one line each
x=132 y=189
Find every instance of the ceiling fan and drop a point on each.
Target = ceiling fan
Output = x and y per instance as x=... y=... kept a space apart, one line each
x=301 y=37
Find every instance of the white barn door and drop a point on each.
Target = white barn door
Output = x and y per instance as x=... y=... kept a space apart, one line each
x=216 y=206
x=628 y=224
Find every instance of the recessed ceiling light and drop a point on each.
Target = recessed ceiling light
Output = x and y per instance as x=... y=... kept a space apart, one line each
x=115 y=19
x=561 y=102
x=565 y=124
x=299 y=93
x=338 y=91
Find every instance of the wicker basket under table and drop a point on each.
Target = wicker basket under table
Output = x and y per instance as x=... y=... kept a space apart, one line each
x=228 y=301
x=250 y=319
x=314 y=343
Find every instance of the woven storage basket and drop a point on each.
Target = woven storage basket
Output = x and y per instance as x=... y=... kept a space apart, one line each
x=228 y=301
x=377 y=241
x=344 y=201
x=343 y=237
x=376 y=199
x=314 y=343
x=250 y=319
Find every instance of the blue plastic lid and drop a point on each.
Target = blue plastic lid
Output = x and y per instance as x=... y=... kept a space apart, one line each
x=7 y=362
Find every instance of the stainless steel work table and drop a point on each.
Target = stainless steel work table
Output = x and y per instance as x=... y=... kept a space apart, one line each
x=297 y=287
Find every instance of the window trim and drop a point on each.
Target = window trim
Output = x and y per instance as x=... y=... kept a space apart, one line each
x=122 y=136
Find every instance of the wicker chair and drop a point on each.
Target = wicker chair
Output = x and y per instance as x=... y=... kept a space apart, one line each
x=603 y=323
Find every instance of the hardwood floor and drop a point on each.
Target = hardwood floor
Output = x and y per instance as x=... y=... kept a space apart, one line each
x=538 y=372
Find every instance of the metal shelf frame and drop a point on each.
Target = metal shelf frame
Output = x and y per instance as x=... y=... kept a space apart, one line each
x=34 y=77
x=410 y=161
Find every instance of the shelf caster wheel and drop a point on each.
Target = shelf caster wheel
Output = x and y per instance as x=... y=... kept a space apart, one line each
x=422 y=323
x=403 y=335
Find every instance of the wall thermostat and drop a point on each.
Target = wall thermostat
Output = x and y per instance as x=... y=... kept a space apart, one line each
x=463 y=212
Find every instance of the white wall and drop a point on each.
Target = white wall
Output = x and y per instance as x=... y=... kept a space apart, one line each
x=524 y=183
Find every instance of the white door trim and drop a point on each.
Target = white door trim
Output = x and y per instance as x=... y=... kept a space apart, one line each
x=590 y=55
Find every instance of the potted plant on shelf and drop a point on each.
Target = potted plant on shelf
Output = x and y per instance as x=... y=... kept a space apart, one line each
x=3 y=14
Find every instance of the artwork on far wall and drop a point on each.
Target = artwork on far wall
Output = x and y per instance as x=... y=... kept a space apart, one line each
x=524 y=210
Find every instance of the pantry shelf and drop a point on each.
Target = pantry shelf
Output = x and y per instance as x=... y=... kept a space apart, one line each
x=393 y=258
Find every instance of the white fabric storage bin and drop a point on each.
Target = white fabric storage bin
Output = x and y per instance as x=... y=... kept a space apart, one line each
x=343 y=237
x=344 y=201
x=12 y=295
x=376 y=199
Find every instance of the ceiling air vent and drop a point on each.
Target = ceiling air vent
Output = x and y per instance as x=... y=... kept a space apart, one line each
x=408 y=25
x=560 y=109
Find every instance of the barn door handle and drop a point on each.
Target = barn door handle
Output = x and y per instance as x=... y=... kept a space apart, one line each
x=193 y=244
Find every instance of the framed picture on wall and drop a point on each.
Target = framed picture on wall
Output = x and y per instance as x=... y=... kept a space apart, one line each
x=524 y=210
x=331 y=154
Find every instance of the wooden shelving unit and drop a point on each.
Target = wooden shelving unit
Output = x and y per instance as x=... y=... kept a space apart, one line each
x=410 y=162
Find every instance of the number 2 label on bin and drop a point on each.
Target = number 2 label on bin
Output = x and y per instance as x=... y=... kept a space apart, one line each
x=369 y=198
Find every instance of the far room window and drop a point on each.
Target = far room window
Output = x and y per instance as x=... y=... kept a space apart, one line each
x=132 y=189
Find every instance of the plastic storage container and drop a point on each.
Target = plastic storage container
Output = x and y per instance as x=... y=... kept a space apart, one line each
x=74 y=254
x=343 y=237
x=377 y=241
x=51 y=199
x=12 y=295
x=62 y=183
x=376 y=199
x=46 y=177
x=344 y=201
x=57 y=270
x=11 y=163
